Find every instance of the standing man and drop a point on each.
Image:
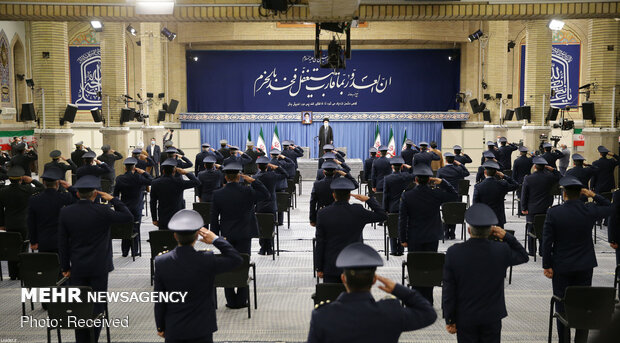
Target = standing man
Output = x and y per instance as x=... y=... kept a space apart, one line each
x=568 y=251
x=581 y=170
x=419 y=219
x=603 y=180
x=238 y=156
x=436 y=164
x=326 y=135
x=154 y=152
x=109 y=157
x=198 y=164
x=144 y=160
x=460 y=156
x=232 y=217
x=565 y=159
x=84 y=243
x=282 y=186
x=56 y=156
x=488 y=156
x=380 y=169
x=270 y=175
x=453 y=172
x=293 y=152
x=492 y=190
x=551 y=155
x=167 y=192
x=129 y=187
x=409 y=152
x=224 y=151
x=168 y=137
x=425 y=156
x=492 y=148
x=536 y=195
x=393 y=187
x=341 y=224
x=23 y=158
x=355 y=316
x=251 y=168
x=321 y=195
x=186 y=270
x=210 y=178
x=93 y=166
x=522 y=166
x=473 y=299
x=80 y=150
x=368 y=163
x=505 y=151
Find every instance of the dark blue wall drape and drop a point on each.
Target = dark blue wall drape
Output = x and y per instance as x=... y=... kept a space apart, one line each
x=358 y=137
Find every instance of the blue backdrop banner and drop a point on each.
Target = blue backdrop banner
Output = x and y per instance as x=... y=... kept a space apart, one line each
x=85 y=66
x=290 y=81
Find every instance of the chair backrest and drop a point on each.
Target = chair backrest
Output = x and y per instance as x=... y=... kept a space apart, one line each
x=379 y=197
x=283 y=201
x=39 y=269
x=121 y=231
x=539 y=223
x=425 y=268
x=392 y=225
x=463 y=187
x=204 y=208
x=266 y=224
x=160 y=241
x=607 y=195
x=237 y=277
x=328 y=291
x=297 y=176
x=60 y=310
x=10 y=246
x=555 y=189
x=290 y=186
x=589 y=307
x=106 y=185
x=453 y=213
x=361 y=177
x=507 y=172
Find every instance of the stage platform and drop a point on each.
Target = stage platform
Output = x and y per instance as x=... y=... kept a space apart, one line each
x=308 y=166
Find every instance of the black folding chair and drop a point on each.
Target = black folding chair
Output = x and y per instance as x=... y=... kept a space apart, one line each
x=125 y=231
x=106 y=186
x=390 y=231
x=585 y=307
x=11 y=245
x=512 y=232
x=39 y=270
x=313 y=261
x=453 y=213
x=298 y=180
x=379 y=197
x=327 y=292
x=292 y=192
x=146 y=201
x=424 y=269
x=362 y=181
x=616 y=280
x=204 y=209
x=464 y=190
x=284 y=205
x=539 y=223
x=237 y=278
x=160 y=241
x=267 y=229
x=82 y=311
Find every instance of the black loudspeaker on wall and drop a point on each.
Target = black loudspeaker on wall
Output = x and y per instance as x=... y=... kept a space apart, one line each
x=486 y=114
x=524 y=112
x=161 y=115
x=27 y=112
x=69 y=115
x=172 y=108
x=509 y=114
x=96 y=113
x=552 y=114
x=474 y=105
x=587 y=108
x=126 y=115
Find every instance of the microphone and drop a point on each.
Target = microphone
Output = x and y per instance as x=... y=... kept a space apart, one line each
x=127 y=97
x=140 y=97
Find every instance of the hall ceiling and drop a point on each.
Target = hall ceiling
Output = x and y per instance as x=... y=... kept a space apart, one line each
x=312 y=10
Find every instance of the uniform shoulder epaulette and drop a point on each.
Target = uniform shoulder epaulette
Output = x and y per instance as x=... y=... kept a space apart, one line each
x=206 y=250
x=163 y=252
x=322 y=303
x=389 y=297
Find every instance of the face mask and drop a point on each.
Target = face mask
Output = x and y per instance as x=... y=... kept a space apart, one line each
x=152 y=142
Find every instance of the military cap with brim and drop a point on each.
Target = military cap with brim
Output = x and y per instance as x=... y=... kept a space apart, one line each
x=383 y=148
x=249 y=143
x=457 y=147
x=55 y=153
x=88 y=182
x=170 y=162
x=89 y=154
x=480 y=215
x=186 y=221
x=329 y=155
x=342 y=183
x=130 y=160
x=539 y=160
x=523 y=148
x=16 y=171
x=408 y=142
x=373 y=149
x=206 y=145
x=397 y=160
x=490 y=143
x=491 y=165
x=570 y=181
x=233 y=167
x=488 y=154
x=209 y=159
x=329 y=165
x=136 y=151
x=52 y=174
x=79 y=143
x=171 y=151
x=286 y=143
x=234 y=147
x=358 y=256
x=601 y=148
x=275 y=152
x=262 y=160
x=422 y=170
x=423 y=143
x=578 y=157
x=223 y=141
x=328 y=147
x=547 y=145
x=448 y=154
x=503 y=139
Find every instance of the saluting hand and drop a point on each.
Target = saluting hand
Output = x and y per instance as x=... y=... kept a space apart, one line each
x=105 y=196
x=587 y=192
x=247 y=178
x=387 y=284
x=207 y=236
x=498 y=232
x=139 y=171
x=272 y=166
x=360 y=197
x=435 y=180
x=64 y=183
x=181 y=171
x=341 y=172
x=26 y=179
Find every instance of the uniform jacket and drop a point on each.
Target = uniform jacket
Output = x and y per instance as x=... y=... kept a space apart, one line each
x=380 y=168
x=210 y=181
x=552 y=156
x=167 y=196
x=491 y=191
x=225 y=152
x=24 y=160
x=14 y=200
x=270 y=178
x=293 y=154
x=64 y=167
x=506 y=154
x=94 y=169
x=393 y=187
x=129 y=187
x=536 y=195
x=43 y=212
x=110 y=159
x=251 y=168
x=425 y=157
x=408 y=154
x=583 y=174
x=76 y=156
x=242 y=159
x=321 y=195
x=521 y=168
x=368 y=167
x=603 y=180
x=463 y=158
x=498 y=156
x=233 y=209
x=286 y=164
x=453 y=174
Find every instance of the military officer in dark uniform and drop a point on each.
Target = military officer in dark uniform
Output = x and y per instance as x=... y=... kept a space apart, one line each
x=505 y=150
x=522 y=166
x=603 y=180
x=488 y=155
x=568 y=251
x=144 y=160
x=14 y=207
x=380 y=168
x=460 y=156
x=473 y=278
x=393 y=187
x=44 y=209
x=84 y=243
x=551 y=155
x=232 y=217
x=254 y=153
x=224 y=151
x=77 y=154
x=129 y=188
x=453 y=172
x=356 y=317
x=109 y=157
x=56 y=156
x=211 y=179
x=339 y=155
x=292 y=151
x=329 y=156
x=409 y=152
x=206 y=150
x=492 y=190
x=287 y=164
x=492 y=148
x=341 y=224
x=88 y=168
x=581 y=170
x=184 y=269
x=23 y=158
x=167 y=192
x=321 y=195
x=238 y=156
x=419 y=219
x=270 y=175
x=368 y=163
x=536 y=195
x=425 y=156
x=183 y=162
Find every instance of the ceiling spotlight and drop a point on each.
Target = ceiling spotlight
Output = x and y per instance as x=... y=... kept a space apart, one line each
x=131 y=30
x=195 y=58
x=511 y=45
x=168 y=34
x=474 y=36
x=453 y=56
x=556 y=25
x=97 y=25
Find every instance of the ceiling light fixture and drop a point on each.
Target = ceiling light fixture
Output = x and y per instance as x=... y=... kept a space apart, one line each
x=97 y=25
x=556 y=25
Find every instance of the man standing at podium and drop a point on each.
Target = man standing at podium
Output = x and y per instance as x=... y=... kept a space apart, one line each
x=326 y=135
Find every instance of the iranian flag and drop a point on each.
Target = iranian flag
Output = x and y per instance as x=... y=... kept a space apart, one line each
x=275 y=141
x=260 y=143
x=249 y=137
x=7 y=136
x=404 y=139
x=391 y=145
x=377 y=138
